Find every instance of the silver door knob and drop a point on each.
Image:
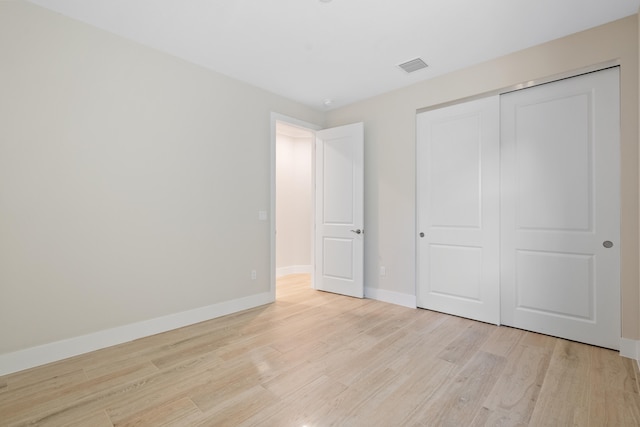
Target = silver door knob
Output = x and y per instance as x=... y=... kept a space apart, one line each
x=358 y=231
x=607 y=244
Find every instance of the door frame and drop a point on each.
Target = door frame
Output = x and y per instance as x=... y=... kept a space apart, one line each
x=312 y=127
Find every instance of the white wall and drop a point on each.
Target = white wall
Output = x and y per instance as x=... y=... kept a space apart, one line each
x=390 y=173
x=293 y=204
x=130 y=182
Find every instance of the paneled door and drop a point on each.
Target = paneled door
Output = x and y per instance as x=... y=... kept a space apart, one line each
x=339 y=206
x=458 y=209
x=560 y=215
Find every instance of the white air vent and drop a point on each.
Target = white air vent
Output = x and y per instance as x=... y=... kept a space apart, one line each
x=413 y=65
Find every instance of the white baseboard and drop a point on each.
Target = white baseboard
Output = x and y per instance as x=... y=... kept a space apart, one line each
x=294 y=269
x=397 y=298
x=631 y=349
x=47 y=353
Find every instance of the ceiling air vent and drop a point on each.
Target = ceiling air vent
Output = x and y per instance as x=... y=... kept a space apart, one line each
x=413 y=65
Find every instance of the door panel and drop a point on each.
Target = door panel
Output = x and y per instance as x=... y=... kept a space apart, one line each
x=338 y=171
x=554 y=164
x=339 y=244
x=454 y=145
x=448 y=279
x=458 y=209
x=560 y=202
x=339 y=265
x=542 y=284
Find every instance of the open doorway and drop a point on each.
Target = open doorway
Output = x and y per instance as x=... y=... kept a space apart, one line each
x=317 y=182
x=293 y=210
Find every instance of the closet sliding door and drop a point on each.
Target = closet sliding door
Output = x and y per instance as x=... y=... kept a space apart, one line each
x=458 y=209
x=560 y=217
x=518 y=201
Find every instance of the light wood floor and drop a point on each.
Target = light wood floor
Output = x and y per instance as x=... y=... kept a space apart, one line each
x=316 y=359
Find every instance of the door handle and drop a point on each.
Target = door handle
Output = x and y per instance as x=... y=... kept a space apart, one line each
x=358 y=231
x=607 y=244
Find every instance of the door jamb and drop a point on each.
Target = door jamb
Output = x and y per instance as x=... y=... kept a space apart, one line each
x=277 y=117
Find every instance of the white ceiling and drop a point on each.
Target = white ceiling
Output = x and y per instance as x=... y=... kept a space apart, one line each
x=343 y=50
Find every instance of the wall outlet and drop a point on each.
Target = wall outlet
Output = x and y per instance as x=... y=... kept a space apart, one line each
x=262 y=215
x=254 y=275
x=383 y=271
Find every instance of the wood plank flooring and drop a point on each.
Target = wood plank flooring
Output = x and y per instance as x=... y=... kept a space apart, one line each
x=318 y=359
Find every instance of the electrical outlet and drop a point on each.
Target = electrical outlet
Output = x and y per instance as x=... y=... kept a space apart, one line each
x=254 y=275
x=383 y=271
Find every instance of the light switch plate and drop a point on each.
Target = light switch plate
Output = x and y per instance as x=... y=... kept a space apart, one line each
x=262 y=215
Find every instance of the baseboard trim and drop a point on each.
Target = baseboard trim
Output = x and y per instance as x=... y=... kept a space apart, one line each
x=396 y=298
x=53 y=352
x=631 y=349
x=294 y=269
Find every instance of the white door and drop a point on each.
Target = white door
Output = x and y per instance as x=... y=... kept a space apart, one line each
x=560 y=209
x=339 y=233
x=458 y=209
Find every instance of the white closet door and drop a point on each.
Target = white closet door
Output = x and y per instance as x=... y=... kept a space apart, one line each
x=458 y=209
x=560 y=208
